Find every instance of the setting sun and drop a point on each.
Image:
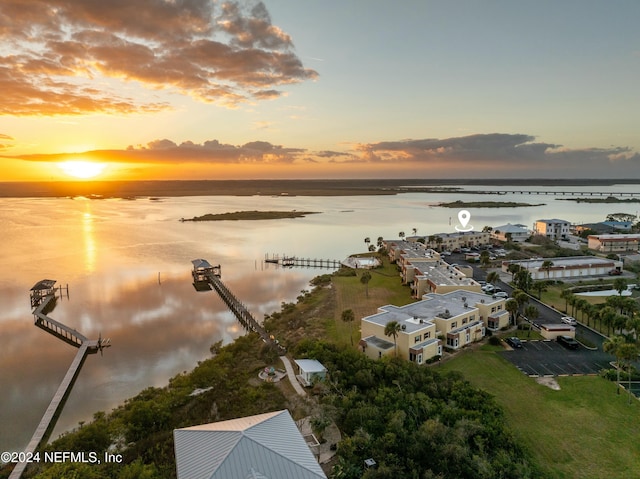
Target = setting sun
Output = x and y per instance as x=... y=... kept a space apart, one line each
x=82 y=169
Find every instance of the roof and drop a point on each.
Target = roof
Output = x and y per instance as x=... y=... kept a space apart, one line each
x=565 y=262
x=201 y=264
x=310 y=365
x=266 y=446
x=43 y=284
x=509 y=228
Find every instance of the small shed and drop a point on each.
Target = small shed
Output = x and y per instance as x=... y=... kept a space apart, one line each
x=552 y=331
x=310 y=371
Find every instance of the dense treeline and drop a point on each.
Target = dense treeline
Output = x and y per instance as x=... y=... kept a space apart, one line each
x=141 y=430
x=413 y=421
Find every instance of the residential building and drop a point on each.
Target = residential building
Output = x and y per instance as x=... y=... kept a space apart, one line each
x=440 y=277
x=461 y=239
x=614 y=243
x=604 y=227
x=567 y=267
x=553 y=229
x=263 y=446
x=452 y=319
x=517 y=233
x=310 y=371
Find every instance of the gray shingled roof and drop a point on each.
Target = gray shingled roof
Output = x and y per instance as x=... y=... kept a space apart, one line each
x=266 y=446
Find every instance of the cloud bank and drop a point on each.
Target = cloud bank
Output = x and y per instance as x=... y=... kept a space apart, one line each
x=67 y=56
x=488 y=156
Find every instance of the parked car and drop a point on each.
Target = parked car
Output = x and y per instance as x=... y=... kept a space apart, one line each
x=568 y=342
x=514 y=342
x=488 y=288
x=615 y=272
x=569 y=320
x=501 y=295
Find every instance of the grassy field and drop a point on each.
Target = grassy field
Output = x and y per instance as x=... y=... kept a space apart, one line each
x=384 y=288
x=584 y=430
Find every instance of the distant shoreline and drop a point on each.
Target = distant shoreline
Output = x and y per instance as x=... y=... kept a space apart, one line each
x=353 y=187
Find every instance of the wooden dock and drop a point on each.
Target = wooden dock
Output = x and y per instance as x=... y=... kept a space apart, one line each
x=240 y=311
x=619 y=194
x=295 y=262
x=42 y=300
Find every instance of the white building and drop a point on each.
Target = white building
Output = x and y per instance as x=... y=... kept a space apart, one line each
x=568 y=267
x=517 y=233
x=266 y=446
x=553 y=229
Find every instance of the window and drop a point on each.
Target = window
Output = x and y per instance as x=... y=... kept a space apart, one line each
x=493 y=310
x=454 y=324
x=472 y=317
x=420 y=358
x=464 y=320
x=427 y=335
x=417 y=339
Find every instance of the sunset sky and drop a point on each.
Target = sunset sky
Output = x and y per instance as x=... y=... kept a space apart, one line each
x=201 y=89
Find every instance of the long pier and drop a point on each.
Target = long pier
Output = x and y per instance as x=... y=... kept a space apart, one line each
x=295 y=262
x=627 y=194
x=43 y=298
x=203 y=272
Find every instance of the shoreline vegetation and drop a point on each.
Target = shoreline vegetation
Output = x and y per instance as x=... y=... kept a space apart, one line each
x=346 y=187
x=251 y=215
x=449 y=413
x=486 y=204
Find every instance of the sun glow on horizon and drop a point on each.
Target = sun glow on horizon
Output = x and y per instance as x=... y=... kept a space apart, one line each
x=82 y=169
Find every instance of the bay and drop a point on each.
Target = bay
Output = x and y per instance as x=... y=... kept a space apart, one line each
x=127 y=264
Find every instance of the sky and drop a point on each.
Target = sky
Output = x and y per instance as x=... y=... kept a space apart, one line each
x=201 y=89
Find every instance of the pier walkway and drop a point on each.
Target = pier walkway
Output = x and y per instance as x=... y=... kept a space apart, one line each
x=293 y=261
x=620 y=194
x=203 y=272
x=43 y=297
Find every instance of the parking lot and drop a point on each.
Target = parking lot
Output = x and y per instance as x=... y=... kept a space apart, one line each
x=545 y=358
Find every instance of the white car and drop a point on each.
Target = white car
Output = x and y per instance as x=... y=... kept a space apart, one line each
x=569 y=320
x=501 y=295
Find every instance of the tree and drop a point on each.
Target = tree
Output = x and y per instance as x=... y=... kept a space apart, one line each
x=414 y=231
x=367 y=240
x=521 y=297
x=607 y=316
x=512 y=306
x=493 y=277
x=379 y=241
x=628 y=353
x=508 y=237
x=487 y=229
x=513 y=269
x=612 y=345
x=532 y=313
x=620 y=285
x=546 y=266
x=484 y=258
x=348 y=317
x=566 y=294
x=401 y=234
x=523 y=280
x=364 y=279
x=393 y=328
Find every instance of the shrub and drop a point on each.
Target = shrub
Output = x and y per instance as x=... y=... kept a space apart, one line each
x=494 y=341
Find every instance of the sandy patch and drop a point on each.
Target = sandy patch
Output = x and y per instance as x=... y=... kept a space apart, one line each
x=549 y=382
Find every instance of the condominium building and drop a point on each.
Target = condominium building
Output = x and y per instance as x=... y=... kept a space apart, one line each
x=614 y=243
x=453 y=319
x=509 y=232
x=553 y=229
x=567 y=267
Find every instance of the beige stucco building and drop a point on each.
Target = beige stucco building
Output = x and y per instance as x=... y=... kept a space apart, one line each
x=614 y=243
x=451 y=320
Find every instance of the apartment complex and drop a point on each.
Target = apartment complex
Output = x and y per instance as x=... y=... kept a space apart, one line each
x=453 y=319
x=425 y=270
x=553 y=229
x=614 y=243
x=451 y=241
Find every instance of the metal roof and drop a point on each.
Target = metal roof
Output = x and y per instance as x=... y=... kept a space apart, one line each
x=266 y=446
x=310 y=365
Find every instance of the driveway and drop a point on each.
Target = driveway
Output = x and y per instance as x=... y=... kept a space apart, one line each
x=548 y=358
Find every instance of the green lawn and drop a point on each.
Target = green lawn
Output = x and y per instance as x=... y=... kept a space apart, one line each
x=584 y=430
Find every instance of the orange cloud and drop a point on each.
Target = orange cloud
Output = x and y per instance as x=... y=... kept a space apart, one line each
x=60 y=48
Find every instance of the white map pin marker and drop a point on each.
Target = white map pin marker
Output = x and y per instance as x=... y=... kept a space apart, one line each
x=464 y=216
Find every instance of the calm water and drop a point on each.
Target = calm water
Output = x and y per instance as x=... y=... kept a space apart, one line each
x=111 y=252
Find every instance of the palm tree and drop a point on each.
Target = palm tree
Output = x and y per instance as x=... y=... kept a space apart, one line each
x=364 y=279
x=522 y=298
x=620 y=285
x=512 y=306
x=401 y=234
x=531 y=313
x=367 y=240
x=414 y=231
x=582 y=305
x=628 y=353
x=546 y=266
x=607 y=315
x=439 y=241
x=393 y=328
x=513 y=269
x=493 y=277
x=379 y=241
x=348 y=317
x=566 y=294
x=612 y=345
x=523 y=280
x=484 y=258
